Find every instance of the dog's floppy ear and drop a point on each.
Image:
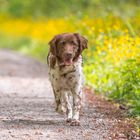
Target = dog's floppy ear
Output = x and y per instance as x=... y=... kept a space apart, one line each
x=53 y=45
x=83 y=44
x=53 y=50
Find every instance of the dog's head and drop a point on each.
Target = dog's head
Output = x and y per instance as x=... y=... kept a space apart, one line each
x=67 y=47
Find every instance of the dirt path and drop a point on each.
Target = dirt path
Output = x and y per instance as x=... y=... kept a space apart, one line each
x=27 y=108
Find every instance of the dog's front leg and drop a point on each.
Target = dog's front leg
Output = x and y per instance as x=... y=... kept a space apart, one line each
x=59 y=100
x=68 y=107
x=57 y=96
x=76 y=107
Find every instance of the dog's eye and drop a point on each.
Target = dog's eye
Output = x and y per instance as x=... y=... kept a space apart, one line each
x=62 y=43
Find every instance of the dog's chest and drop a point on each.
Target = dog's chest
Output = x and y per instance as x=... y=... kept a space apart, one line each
x=66 y=77
x=68 y=80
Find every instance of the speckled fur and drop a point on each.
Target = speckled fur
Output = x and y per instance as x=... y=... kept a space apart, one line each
x=67 y=84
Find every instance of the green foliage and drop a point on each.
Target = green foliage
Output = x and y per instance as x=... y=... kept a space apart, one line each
x=35 y=8
x=119 y=83
x=27 y=46
x=127 y=89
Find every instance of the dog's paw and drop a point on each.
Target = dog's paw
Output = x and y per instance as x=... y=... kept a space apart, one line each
x=60 y=109
x=69 y=120
x=75 y=123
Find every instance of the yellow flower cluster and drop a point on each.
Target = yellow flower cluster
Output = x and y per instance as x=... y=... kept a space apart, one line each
x=41 y=30
x=120 y=49
x=109 y=36
x=44 y=29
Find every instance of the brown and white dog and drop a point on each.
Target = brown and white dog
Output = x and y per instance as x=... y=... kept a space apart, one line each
x=65 y=72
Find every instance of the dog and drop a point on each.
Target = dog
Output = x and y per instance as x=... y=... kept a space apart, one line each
x=65 y=73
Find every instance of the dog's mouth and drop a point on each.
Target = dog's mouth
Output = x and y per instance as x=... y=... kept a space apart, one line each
x=68 y=61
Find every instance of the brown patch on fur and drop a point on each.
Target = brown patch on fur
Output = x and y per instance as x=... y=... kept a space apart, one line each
x=66 y=43
x=83 y=44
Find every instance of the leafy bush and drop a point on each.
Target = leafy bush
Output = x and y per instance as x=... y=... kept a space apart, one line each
x=120 y=83
x=33 y=8
x=127 y=87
